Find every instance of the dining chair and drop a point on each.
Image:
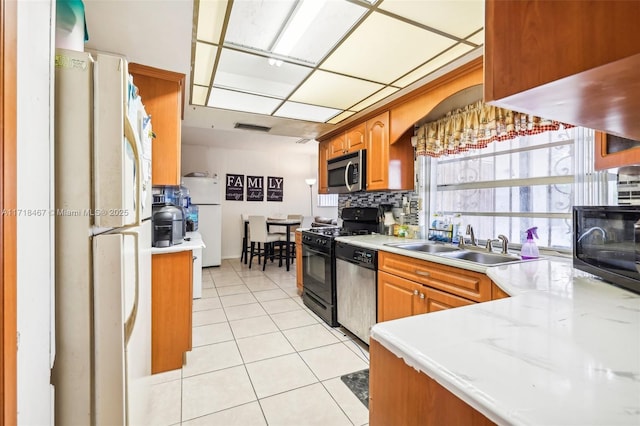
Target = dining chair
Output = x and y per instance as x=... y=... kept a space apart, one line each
x=246 y=238
x=292 y=236
x=266 y=241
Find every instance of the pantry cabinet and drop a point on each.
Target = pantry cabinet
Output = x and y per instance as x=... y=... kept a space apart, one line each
x=409 y=286
x=162 y=93
x=171 y=309
x=572 y=61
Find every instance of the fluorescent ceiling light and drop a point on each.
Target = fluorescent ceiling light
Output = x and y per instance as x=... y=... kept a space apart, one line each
x=303 y=17
x=237 y=101
x=306 y=112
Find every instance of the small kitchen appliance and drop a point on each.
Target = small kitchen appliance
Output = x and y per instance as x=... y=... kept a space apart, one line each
x=168 y=225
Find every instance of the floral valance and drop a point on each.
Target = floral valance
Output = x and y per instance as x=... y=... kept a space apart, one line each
x=475 y=126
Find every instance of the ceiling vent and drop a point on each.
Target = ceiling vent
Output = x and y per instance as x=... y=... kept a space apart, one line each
x=303 y=140
x=254 y=127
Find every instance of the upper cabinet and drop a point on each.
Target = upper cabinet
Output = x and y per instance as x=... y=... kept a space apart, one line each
x=615 y=151
x=572 y=61
x=162 y=92
x=349 y=141
x=323 y=155
x=389 y=166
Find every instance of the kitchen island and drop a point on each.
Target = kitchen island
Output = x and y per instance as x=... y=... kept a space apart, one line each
x=564 y=349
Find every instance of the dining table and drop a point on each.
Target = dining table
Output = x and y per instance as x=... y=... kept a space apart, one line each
x=287 y=223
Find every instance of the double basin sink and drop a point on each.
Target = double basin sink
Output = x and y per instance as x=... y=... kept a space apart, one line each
x=483 y=258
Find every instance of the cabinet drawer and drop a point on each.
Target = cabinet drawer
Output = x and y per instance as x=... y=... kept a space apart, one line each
x=460 y=282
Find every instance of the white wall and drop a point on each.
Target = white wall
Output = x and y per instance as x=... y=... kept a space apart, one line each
x=35 y=233
x=257 y=159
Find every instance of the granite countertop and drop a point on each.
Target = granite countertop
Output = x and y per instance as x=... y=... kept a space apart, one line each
x=564 y=349
x=194 y=242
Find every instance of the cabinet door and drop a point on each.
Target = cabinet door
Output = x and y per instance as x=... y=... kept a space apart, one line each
x=615 y=151
x=337 y=146
x=171 y=302
x=439 y=300
x=323 y=155
x=397 y=297
x=377 y=132
x=162 y=94
x=355 y=138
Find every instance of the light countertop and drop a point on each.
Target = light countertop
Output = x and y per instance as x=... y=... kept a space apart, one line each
x=192 y=241
x=564 y=349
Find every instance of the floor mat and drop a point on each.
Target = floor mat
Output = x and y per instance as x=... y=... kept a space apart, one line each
x=358 y=382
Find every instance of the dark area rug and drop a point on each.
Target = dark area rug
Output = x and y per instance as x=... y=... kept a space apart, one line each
x=358 y=382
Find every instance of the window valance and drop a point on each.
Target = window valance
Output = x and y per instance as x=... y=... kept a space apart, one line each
x=475 y=126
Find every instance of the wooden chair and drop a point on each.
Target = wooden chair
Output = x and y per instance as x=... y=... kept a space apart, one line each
x=260 y=236
x=246 y=239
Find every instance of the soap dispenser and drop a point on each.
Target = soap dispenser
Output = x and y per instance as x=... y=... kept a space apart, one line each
x=529 y=248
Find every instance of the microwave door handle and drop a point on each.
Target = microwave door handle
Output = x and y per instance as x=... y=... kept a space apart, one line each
x=346 y=176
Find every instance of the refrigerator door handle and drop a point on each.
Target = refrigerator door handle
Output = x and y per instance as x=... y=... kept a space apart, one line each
x=131 y=320
x=135 y=145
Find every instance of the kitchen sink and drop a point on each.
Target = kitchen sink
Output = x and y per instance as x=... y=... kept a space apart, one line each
x=483 y=258
x=424 y=247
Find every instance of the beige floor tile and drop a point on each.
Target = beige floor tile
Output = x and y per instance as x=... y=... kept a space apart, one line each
x=359 y=348
x=258 y=279
x=165 y=403
x=263 y=296
x=293 y=319
x=244 y=311
x=166 y=376
x=237 y=299
x=206 y=304
x=210 y=392
x=342 y=334
x=244 y=415
x=253 y=272
x=291 y=291
x=217 y=356
x=309 y=406
x=212 y=316
x=332 y=361
x=211 y=333
x=280 y=305
x=264 y=346
x=252 y=326
x=280 y=374
x=209 y=292
x=310 y=337
x=207 y=285
x=260 y=286
x=350 y=404
x=233 y=289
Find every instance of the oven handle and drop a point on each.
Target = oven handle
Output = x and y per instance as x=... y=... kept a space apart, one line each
x=346 y=176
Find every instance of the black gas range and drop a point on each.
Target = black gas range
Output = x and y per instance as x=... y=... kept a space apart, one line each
x=319 y=261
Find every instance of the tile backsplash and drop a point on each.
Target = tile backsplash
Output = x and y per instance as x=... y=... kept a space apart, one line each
x=374 y=199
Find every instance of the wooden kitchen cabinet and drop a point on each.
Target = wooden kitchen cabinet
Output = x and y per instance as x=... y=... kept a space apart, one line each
x=398 y=297
x=337 y=146
x=299 y=270
x=615 y=151
x=572 y=61
x=171 y=309
x=389 y=166
x=401 y=395
x=350 y=141
x=323 y=155
x=162 y=93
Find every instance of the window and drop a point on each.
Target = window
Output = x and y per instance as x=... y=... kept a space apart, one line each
x=517 y=184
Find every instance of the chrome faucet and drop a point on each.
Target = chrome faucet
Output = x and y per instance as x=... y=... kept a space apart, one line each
x=489 y=246
x=472 y=237
x=591 y=230
x=505 y=243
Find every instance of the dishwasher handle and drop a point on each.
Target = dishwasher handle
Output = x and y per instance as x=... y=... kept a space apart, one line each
x=355 y=262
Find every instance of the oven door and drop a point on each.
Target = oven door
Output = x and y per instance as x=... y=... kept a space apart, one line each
x=317 y=273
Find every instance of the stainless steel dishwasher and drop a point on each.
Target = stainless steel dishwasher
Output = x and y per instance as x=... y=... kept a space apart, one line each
x=356 y=287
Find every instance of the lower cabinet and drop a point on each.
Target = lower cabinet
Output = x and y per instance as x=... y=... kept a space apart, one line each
x=401 y=395
x=171 y=309
x=409 y=286
x=299 y=282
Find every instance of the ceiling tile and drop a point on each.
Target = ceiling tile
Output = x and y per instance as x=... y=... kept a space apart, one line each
x=431 y=66
x=387 y=91
x=477 y=38
x=256 y=23
x=199 y=95
x=203 y=63
x=338 y=118
x=459 y=17
x=306 y=112
x=228 y=99
x=334 y=90
x=385 y=55
x=250 y=73
x=210 y=19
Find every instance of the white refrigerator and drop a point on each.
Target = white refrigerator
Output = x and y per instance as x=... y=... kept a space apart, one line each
x=102 y=364
x=205 y=193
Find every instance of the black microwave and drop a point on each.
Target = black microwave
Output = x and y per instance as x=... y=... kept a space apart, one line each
x=607 y=243
x=347 y=173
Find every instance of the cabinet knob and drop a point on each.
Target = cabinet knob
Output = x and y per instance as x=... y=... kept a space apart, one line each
x=415 y=292
x=421 y=295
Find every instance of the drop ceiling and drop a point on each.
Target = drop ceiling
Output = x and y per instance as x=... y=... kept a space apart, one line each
x=322 y=62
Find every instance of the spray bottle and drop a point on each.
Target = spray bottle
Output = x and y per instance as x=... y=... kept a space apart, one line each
x=529 y=249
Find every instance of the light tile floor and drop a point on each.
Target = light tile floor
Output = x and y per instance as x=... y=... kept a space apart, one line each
x=260 y=357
